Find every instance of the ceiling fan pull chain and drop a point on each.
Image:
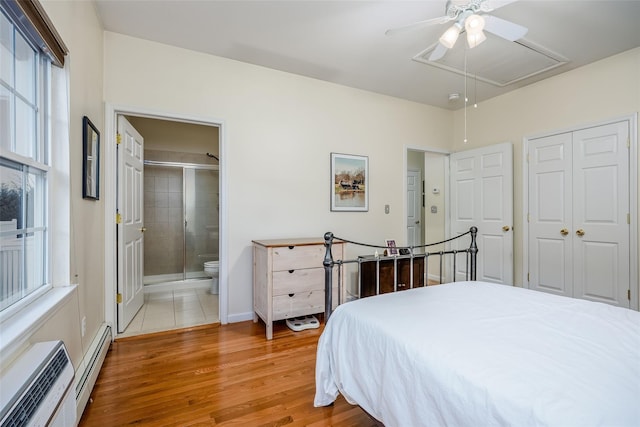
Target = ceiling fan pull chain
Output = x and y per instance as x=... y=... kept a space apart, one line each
x=465 y=95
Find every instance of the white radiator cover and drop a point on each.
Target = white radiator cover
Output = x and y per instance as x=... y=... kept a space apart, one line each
x=37 y=389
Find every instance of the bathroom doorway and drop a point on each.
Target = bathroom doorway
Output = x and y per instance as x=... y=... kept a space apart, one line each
x=181 y=212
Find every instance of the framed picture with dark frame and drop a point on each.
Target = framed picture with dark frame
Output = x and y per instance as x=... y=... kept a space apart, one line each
x=349 y=183
x=90 y=160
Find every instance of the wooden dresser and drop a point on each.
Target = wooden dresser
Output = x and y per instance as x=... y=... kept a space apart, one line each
x=368 y=274
x=288 y=278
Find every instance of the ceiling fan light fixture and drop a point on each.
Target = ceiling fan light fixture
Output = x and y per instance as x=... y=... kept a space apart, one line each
x=449 y=38
x=474 y=24
x=475 y=39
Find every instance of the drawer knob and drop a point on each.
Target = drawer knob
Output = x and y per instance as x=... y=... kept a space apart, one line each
x=291 y=247
x=291 y=271
x=291 y=295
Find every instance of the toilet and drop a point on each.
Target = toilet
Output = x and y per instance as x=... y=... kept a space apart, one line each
x=211 y=269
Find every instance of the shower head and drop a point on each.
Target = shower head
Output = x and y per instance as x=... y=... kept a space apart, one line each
x=214 y=156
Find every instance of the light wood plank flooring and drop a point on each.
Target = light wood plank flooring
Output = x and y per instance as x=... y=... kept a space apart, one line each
x=215 y=375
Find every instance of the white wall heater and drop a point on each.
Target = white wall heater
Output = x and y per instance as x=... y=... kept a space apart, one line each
x=37 y=389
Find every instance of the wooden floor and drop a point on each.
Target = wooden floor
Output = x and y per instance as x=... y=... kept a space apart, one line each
x=215 y=375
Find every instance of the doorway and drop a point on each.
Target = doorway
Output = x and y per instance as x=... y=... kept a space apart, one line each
x=465 y=189
x=432 y=170
x=193 y=289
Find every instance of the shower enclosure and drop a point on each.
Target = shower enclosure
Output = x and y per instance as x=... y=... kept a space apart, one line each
x=181 y=214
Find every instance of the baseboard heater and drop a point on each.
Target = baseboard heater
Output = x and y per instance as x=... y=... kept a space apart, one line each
x=87 y=372
x=37 y=389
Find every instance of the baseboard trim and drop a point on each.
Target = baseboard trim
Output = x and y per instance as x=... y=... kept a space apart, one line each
x=240 y=317
x=87 y=372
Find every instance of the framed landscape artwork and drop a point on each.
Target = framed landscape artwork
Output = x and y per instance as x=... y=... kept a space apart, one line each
x=349 y=183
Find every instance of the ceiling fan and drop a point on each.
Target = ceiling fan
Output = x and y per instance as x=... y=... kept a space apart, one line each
x=470 y=17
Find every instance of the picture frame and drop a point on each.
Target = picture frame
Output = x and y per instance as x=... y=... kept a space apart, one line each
x=349 y=183
x=90 y=160
x=392 y=250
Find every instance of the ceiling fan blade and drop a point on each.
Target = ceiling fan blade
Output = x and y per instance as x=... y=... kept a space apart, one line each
x=419 y=24
x=505 y=29
x=438 y=52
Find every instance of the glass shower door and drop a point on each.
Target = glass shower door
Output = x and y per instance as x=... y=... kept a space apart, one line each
x=163 y=249
x=201 y=220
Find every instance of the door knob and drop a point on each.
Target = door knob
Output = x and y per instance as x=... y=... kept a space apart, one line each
x=506 y=228
x=417 y=222
x=580 y=232
x=143 y=229
x=564 y=231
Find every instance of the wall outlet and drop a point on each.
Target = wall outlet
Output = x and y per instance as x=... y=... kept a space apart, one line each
x=83 y=327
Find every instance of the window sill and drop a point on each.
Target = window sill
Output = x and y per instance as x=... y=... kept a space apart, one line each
x=17 y=329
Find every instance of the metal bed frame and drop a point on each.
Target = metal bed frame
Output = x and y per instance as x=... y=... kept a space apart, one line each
x=329 y=263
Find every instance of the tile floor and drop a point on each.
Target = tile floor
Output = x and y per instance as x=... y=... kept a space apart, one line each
x=173 y=309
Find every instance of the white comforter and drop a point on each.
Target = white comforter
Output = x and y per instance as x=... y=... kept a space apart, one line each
x=479 y=354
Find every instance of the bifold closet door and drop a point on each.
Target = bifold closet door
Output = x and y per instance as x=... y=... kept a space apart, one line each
x=578 y=214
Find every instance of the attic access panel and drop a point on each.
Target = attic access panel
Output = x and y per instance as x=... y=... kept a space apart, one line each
x=496 y=61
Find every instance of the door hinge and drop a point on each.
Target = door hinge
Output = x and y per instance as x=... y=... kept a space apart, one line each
x=119 y=298
x=118 y=138
x=629 y=294
x=628 y=218
x=118 y=218
x=528 y=217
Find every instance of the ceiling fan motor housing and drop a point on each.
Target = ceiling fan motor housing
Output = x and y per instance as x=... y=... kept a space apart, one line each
x=455 y=8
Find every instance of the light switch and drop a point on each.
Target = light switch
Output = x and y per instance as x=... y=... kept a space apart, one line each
x=386 y=209
x=434 y=209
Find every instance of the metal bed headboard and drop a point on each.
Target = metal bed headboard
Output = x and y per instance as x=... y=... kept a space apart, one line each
x=329 y=263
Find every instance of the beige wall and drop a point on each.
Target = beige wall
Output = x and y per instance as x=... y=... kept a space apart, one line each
x=434 y=222
x=607 y=89
x=280 y=129
x=82 y=32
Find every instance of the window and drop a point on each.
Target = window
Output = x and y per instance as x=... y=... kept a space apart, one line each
x=25 y=70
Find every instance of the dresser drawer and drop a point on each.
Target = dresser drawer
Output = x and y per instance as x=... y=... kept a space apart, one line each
x=297 y=257
x=291 y=281
x=297 y=304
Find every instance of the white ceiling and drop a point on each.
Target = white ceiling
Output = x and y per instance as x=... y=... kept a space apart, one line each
x=344 y=41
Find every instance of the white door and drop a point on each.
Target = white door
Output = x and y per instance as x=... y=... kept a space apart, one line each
x=481 y=182
x=579 y=205
x=600 y=212
x=414 y=208
x=131 y=226
x=550 y=215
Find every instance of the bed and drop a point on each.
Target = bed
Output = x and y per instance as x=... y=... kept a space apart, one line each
x=478 y=354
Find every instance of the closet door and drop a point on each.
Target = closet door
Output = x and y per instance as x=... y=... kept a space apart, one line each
x=578 y=214
x=550 y=215
x=601 y=206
